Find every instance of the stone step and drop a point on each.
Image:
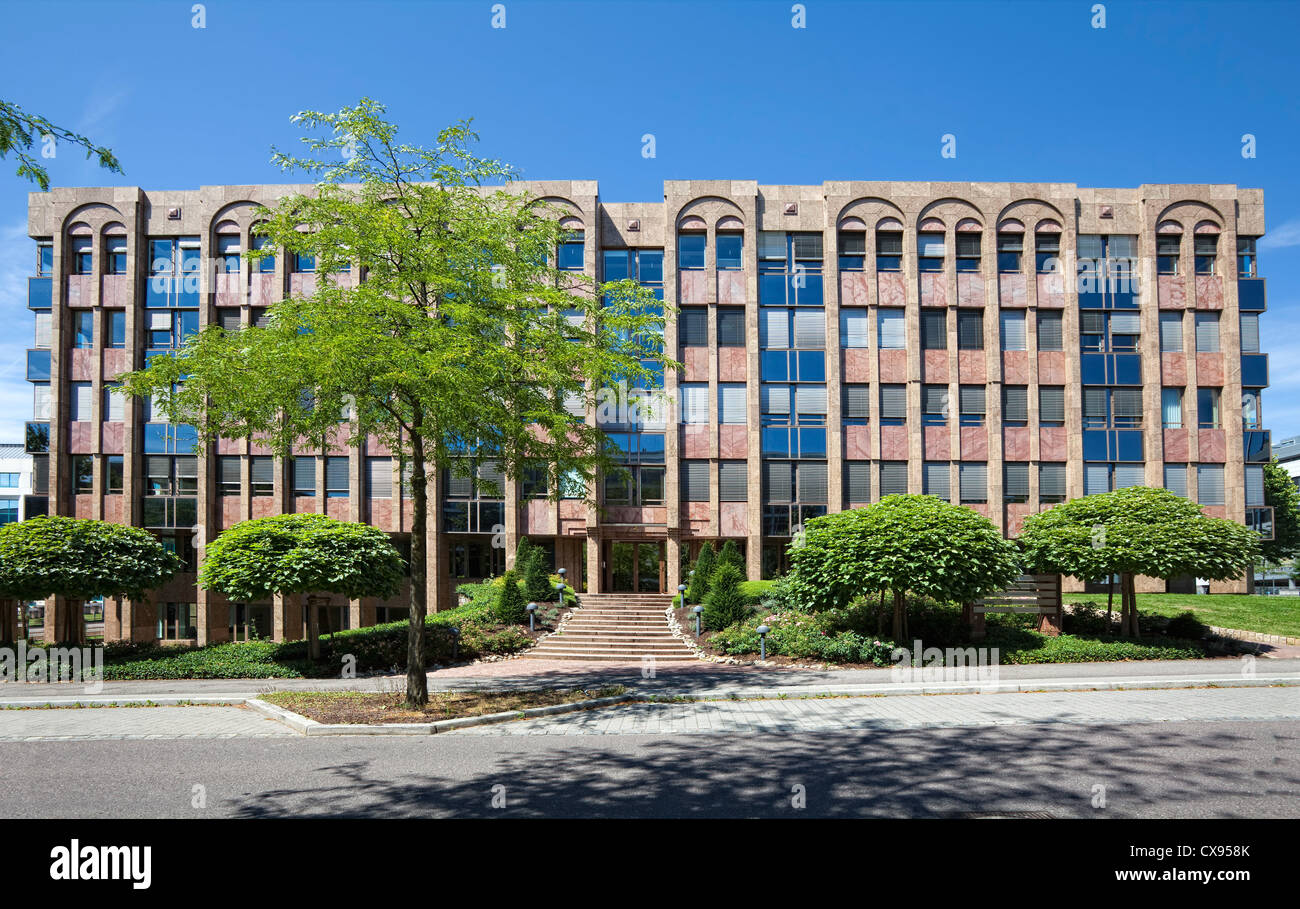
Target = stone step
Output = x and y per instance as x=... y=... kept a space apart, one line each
x=686 y=657
x=619 y=640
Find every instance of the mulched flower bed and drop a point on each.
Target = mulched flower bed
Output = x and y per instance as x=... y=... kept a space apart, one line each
x=387 y=707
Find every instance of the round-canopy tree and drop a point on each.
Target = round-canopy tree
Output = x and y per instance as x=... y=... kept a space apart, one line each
x=1133 y=531
x=302 y=553
x=78 y=559
x=905 y=544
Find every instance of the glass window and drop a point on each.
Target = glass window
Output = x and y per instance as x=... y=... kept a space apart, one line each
x=1206 y=248
x=853 y=250
x=930 y=251
x=303 y=263
x=1050 y=336
x=83 y=249
x=228 y=254
x=731 y=327
x=1171 y=408
x=968 y=251
x=1207 y=332
x=83 y=473
x=116 y=250
x=266 y=264
x=934 y=329
x=83 y=328
x=1250 y=418
x=693 y=326
x=1245 y=257
x=889 y=250
x=891 y=331
x=1167 y=250
x=1013 y=331
x=1047 y=253
x=114 y=474
x=1171 y=332
x=1010 y=246
x=690 y=251
x=116 y=328
x=44 y=258
x=730 y=247
x=1207 y=408
x=970 y=329
x=569 y=255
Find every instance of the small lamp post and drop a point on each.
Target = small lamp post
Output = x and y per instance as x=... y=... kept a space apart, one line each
x=681 y=592
x=455 y=643
x=762 y=642
x=532 y=609
x=560 y=588
x=697 y=610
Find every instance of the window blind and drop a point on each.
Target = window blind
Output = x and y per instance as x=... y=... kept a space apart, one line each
x=1171 y=332
x=80 y=403
x=972 y=399
x=1050 y=335
x=775 y=399
x=229 y=319
x=778 y=478
x=336 y=475
x=304 y=475
x=733 y=481
x=693 y=327
x=379 y=477
x=857 y=402
x=1176 y=479
x=857 y=481
x=731 y=404
x=970 y=329
x=1254 y=485
x=1209 y=484
x=695 y=481
x=1016 y=480
x=810 y=329
x=228 y=469
x=774 y=325
x=973 y=482
x=695 y=403
x=934 y=399
x=1207 y=332
x=934 y=329
x=261 y=470
x=891 y=329
x=1127 y=475
x=810 y=399
x=1250 y=332
x=1051 y=403
x=936 y=479
x=1015 y=402
x=893 y=402
x=1013 y=331
x=812 y=482
x=114 y=403
x=1051 y=481
x=853 y=327
x=1096 y=478
x=893 y=478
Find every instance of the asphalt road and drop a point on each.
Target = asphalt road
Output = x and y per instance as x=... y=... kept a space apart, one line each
x=1165 y=770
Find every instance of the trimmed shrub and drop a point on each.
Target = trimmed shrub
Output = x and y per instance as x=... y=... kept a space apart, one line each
x=510 y=607
x=703 y=568
x=1186 y=625
x=730 y=555
x=724 y=605
x=537 y=583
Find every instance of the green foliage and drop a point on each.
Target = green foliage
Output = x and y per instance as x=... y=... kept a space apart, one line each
x=724 y=604
x=80 y=559
x=1186 y=625
x=301 y=553
x=829 y=636
x=905 y=543
x=698 y=585
x=523 y=552
x=1281 y=493
x=730 y=555
x=537 y=582
x=1137 y=530
x=20 y=131
x=511 y=608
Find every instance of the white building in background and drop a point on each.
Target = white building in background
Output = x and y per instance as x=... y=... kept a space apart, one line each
x=15 y=481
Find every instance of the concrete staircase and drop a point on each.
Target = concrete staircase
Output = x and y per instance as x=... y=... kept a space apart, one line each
x=615 y=627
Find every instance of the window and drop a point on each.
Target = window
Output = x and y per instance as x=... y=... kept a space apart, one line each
x=936 y=479
x=83 y=256
x=116 y=328
x=1250 y=418
x=1167 y=251
x=732 y=404
x=889 y=250
x=115 y=247
x=891 y=332
x=1171 y=332
x=930 y=251
x=730 y=247
x=83 y=473
x=1209 y=484
x=170 y=330
x=534 y=483
x=169 y=476
x=265 y=264
x=1246 y=257
x=569 y=255
x=1051 y=483
x=853 y=328
x=971 y=402
x=228 y=254
x=379 y=478
x=857 y=401
x=968 y=251
x=853 y=250
x=83 y=328
x=893 y=478
x=690 y=251
x=973 y=483
x=228 y=479
x=173 y=272
x=44 y=258
x=934 y=329
x=1051 y=405
x=261 y=474
x=1255 y=486
x=695 y=481
x=1206 y=247
x=893 y=405
x=1015 y=405
x=1112 y=407
x=695 y=403
x=304 y=475
x=733 y=481
x=114 y=404
x=1171 y=408
x=79 y=403
x=1109 y=331
x=41 y=400
x=1013 y=330
x=114 y=476
x=8 y=509
x=1250 y=332
x=43 y=329
x=1015 y=482
x=177 y=621
x=1207 y=408
x=1010 y=247
x=336 y=478
x=302 y=263
x=9 y=480
x=1176 y=479
x=1047 y=253
x=1050 y=335
x=970 y=329
x=693 y=326
x=793 y=421
x=857 y=481
x=934 y=404
x=1207 y=332
x=731 y=327
x=635 y=484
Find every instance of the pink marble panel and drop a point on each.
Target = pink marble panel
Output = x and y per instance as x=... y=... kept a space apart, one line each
x=79 y=438
x=637 y=515
x=935 y=366
x=539 y=517
x=116 y=361
x=693 y=286
x=938 y=443
x=853 y=289
x=983 y=508
x=857 y=443
x=378 y=449
x=1015 y=443
x=857 y=365
x=233 y=446
x=731 y=364
x=893 y=366
x=113 y=510
x=697 y=511
x=696 y=363
x=1175 y=444
x=695 y=440
x=113 y=291
x=263 y=290
x=971 y=366
x=229 y=289
x=1215 y=511
x=1011 y=290
x=264 y=506
x=734 y=519
x=974 y=443
x=970 y=289
x=1209 y=292
x=573 y=510
x=934 y=289
x=1209 y=369
x=302 y=284
x=339 y=508
x=1212 y=446
x=1052 y=443
x=733 y=441
x=731 y=287
x=1015 y=367
x=1051 y=291
x=80 y=290
x=1016 y=514
x=112 y=437
x=256 y=447
x=893 y=443
x=231 y=514
x=83 y=506
x=1173 y=368
x=1171 y=292
x=82 y=365
x=310 y=505
x=1051 y=367
x=890 y=288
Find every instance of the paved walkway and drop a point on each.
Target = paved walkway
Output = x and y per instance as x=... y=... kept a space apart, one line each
x=91 y=723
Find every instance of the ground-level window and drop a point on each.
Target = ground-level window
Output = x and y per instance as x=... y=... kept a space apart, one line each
x=177 y=621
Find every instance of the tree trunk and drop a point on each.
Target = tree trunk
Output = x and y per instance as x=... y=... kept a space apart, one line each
x=1133 y=608
x=1110 y=600
x=900 y=618
x=417 y=683
x=312 y=606
x=73 y=629
x=880 y=615
x=8 y=621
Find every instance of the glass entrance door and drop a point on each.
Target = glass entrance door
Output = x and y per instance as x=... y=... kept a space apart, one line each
x=649 y=557
x=634 y=567
x=622 y=567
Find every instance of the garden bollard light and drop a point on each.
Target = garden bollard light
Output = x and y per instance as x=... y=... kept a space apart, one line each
x=562 y=572
x=532 y=608
x=697 y=610
x=455 y=643
x=681 y=594
x=561 y=588
x=762 y=641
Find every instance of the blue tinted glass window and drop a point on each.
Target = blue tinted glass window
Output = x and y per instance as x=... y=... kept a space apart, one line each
x=40 y=293
x=812 y=366
x=690 y=251
x=45 y=259
x=569 y=253
x=116 y=328
x=730 y=249
x=38 y=365
x=812 y=443
x=775 y=442
x=83 y=327
x=160 y=257
x=650 y=266
x=774 y=366
x=304 y=263
x=616 y=264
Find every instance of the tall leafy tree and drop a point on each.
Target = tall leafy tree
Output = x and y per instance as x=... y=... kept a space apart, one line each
x=1280 y=492
x=906 y=544
x=78 y=559
x=1134 y=531
x=461 y=343
x=20 y=131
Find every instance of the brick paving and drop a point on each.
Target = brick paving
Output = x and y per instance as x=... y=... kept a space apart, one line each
x=92 y=723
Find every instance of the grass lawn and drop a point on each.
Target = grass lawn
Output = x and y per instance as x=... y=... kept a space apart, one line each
x=387 y=707
x=1267 y=615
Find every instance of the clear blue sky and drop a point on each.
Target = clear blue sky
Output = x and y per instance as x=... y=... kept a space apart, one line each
x=1031 y=91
